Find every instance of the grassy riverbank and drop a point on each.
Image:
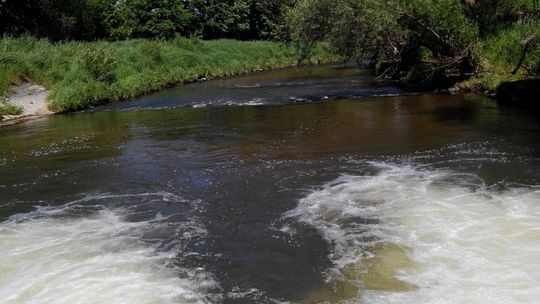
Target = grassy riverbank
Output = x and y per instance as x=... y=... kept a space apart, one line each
x=82 y=74
x=429 y=44
x=498 y=57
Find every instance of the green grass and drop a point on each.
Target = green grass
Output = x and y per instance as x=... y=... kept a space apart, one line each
x=499 y=55
x=82 y=74
x=9 y=109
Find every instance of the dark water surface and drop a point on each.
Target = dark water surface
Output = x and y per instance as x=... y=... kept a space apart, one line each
x=307 y=186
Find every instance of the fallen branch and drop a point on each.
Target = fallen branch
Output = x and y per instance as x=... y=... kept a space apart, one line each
x=384 y=73
x=445 y=63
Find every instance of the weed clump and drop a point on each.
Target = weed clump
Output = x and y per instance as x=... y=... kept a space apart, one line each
x=9 y=109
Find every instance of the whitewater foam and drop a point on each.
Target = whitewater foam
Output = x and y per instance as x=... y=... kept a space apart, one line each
x=466 y=243
x=99 y=258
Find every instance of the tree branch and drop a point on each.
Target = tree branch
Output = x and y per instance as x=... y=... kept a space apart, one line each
x=429 y=37
x=526 y=44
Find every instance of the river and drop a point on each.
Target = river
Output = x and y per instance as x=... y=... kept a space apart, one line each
x=307 y=185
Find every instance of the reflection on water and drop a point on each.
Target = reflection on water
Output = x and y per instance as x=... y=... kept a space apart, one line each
x=299 y=186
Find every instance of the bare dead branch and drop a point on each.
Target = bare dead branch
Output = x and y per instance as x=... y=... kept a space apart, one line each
x=526 y=44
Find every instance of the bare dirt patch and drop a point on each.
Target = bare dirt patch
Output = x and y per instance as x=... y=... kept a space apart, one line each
x=31 y=98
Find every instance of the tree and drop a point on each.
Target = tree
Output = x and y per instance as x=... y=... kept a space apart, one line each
x=423 y=41
x=149 y=19
x=493 y=15
x=54 y=19
x=266 y=18
x=308 y=23
x=156 y=19
x=240 y=19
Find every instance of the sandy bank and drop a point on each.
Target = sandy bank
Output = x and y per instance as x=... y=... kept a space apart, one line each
x=31 y=98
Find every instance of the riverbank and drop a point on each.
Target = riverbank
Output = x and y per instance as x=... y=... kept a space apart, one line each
x=513 y=54
x=24 y=102
x=83 y=74
x=510 y=55
x=429 y=45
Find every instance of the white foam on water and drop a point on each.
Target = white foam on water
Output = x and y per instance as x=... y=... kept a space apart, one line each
x=95 y=259
x=469 y=244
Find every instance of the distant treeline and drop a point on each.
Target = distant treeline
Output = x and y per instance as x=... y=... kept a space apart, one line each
x=89 y=20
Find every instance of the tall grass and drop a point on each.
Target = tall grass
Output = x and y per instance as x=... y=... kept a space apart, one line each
x=9 y=109
x=498 y=55
x=83 y=74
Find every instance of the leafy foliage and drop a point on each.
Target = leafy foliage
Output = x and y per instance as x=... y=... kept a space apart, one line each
x=492 y=16
x=54 y=19
x=149 y=19
x=155 y=19
x=422 y=40
x=308 y=23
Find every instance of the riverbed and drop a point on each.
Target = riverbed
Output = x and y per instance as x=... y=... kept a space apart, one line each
x=310 y=185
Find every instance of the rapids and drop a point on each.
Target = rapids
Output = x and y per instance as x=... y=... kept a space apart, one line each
x=311 y=185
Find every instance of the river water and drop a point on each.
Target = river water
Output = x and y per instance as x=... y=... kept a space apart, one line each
x=313 y=185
